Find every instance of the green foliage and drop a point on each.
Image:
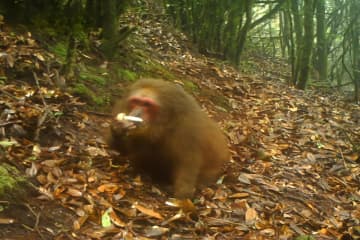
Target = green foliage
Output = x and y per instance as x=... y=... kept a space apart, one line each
x=81 y=89
x=60 y=50
x=79 y=34
x=3 y=79
x=9 y=179
x=249 y=66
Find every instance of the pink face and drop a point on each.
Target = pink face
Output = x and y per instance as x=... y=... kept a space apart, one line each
x=144 y=107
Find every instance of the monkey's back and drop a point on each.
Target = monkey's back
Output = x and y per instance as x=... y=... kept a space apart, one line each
x=192 y=131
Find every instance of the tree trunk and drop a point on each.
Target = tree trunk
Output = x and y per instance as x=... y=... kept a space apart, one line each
x=298 y=37
x=321 y=65
x=243 y=31
x=355 y=38
x=307 y=44
x=110 y=26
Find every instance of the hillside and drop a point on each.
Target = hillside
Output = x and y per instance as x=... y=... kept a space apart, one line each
x=295 y=155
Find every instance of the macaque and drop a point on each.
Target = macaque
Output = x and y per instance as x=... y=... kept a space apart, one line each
x=165 y=134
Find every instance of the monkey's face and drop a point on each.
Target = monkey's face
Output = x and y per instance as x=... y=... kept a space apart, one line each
x=140 y=118
x=144 y=104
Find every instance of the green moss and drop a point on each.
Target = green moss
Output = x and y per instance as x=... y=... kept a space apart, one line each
x=10 y=179
x=151 y=69
x=81 y=89
x=100 y=101
x=141 y=61
x=190 y=86
x=88 y=95
x=90 y=74
x=60 y=50
x=93 y=77
x=126 y=75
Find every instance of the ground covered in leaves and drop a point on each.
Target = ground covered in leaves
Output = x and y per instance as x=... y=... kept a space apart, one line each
x=295 y=168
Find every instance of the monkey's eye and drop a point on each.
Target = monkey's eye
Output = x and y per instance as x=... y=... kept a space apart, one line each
x=147 y=104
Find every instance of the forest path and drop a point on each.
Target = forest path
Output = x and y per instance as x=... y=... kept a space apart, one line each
x=294 y=170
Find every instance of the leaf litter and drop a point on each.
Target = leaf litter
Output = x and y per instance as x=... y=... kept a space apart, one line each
x=295 y=168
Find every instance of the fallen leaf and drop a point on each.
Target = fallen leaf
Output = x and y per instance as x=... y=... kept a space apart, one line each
x=74 y=192
x=250 y=216
x=115 y=218
x=105 y=219
x=155 y=231
x=148 y=211
x=108 y=187
x=239 y=195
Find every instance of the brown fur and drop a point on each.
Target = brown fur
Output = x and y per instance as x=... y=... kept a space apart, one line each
x=181 y=145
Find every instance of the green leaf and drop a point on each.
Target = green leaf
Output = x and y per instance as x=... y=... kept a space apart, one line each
x=105 y=219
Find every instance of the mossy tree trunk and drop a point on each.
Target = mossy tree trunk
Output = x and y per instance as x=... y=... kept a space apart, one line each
x=75 y=19
x=295 y=10
x=355 y=41
x=288 y=38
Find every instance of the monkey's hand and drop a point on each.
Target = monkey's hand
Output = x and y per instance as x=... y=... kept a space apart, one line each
x=121 y=128
x=122 y=124
x=118 y=137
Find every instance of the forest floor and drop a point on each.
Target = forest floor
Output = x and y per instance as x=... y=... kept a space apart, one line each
x=295 y=168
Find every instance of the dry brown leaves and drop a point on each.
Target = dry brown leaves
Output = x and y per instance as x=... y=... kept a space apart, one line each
x=295 y=168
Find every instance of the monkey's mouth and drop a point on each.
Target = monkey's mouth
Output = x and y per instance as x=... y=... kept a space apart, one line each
x=122 y=116
x=126 y=122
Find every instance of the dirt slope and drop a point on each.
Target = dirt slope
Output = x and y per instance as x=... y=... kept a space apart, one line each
x=294 y=170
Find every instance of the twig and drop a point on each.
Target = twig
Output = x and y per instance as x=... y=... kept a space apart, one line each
x=15 y=98
x=37 y=216
x=9 y=123
x=40 y=121
x=38 y=86
x=8 y=94
x=100 y=114
x=43 y=117
x=343 y=159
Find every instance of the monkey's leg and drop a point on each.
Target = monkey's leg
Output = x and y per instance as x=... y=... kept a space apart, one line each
x=186 y=175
